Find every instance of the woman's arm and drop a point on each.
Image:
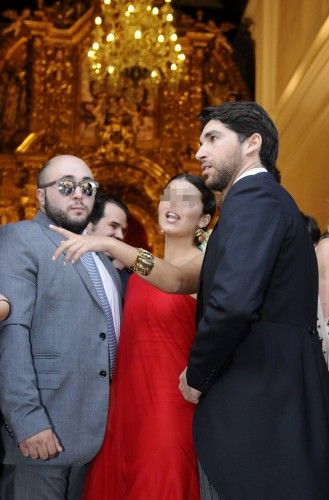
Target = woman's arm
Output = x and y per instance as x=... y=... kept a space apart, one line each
x=322 y=253
x=165 y=276
x=4 y=307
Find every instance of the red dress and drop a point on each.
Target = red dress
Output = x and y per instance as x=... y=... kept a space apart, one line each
x=148 y=453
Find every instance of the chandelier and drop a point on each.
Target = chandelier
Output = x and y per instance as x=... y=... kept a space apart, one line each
x=135 y=40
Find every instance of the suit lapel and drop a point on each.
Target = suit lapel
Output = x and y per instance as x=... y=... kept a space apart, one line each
x=56 y=238
x=84 y=275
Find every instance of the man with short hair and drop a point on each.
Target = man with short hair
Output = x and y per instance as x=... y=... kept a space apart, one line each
x=256 y=368
x=109 y=217
x=57 y=345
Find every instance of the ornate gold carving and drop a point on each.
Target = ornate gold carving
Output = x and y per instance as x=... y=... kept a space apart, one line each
x=134 y=141
x=13 y=95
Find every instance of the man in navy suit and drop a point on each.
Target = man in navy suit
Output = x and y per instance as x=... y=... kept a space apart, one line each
x=256 y=368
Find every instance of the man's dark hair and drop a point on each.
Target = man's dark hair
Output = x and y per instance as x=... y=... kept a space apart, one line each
x=101 y=199
x=246 y=118
x=312 y=227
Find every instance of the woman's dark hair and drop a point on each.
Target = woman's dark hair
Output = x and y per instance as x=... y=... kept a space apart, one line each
x=312 y=227
x=207 y=196
x=246 y=118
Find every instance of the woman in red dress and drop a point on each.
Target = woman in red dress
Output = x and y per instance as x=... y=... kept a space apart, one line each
x=148 y=451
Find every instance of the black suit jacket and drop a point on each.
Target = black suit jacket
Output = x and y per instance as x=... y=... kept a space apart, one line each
x=261 y=427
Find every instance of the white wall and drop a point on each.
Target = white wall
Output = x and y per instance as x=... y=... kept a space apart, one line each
x=292 y=83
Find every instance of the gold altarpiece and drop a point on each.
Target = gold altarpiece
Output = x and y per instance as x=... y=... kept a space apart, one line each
x=134 y=142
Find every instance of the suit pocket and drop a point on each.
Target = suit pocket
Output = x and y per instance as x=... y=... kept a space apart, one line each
x=48 y=380
x=47 y=370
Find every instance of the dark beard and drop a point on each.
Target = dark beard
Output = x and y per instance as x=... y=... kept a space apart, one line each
x=60 y=219
x=220 y=182
x=226 y=174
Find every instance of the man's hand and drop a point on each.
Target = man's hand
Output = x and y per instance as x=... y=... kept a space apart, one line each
x=190 y=394
x=44 y=445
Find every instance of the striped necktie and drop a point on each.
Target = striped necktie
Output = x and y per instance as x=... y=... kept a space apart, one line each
x=90 y=265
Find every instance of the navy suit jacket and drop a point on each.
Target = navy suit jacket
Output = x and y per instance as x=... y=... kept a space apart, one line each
x=261 y=427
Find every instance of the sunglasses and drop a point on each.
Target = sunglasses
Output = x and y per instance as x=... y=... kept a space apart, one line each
x=68 y=187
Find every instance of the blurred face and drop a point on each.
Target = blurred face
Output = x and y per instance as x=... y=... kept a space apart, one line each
x=180 y=209
x=220 y=154
x=72 y=211
x=113 y=223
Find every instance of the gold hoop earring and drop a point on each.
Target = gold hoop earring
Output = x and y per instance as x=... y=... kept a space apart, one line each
x=200 y=235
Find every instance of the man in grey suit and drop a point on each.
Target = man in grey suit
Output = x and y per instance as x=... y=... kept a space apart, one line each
x=56 y=356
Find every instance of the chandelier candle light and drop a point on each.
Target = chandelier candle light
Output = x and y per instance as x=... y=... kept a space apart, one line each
x=135 y=40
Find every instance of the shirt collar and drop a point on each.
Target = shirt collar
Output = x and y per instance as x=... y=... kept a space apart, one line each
x=252 y=171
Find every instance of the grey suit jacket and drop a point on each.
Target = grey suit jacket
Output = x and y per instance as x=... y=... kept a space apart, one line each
x=54 y=362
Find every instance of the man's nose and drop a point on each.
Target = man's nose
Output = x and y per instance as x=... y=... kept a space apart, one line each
x=201 y=153
x=78 y=194
x=119 y=233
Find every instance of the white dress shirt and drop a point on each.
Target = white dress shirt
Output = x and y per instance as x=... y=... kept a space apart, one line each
x=111 y=292
x=252 y=171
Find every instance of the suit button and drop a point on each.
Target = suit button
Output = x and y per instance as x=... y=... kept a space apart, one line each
x=315 y=334
x=102 y=336
x=102 y=373
x=312 y=331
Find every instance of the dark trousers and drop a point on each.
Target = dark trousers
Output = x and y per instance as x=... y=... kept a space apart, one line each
x=207 y=490
x=42 y=482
